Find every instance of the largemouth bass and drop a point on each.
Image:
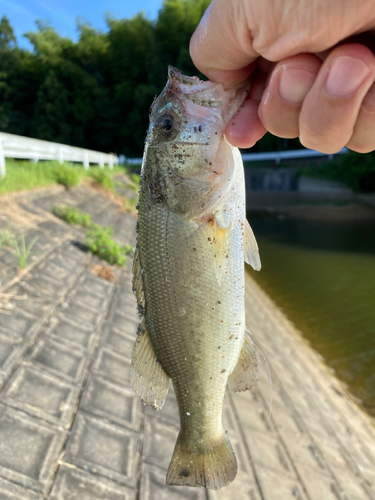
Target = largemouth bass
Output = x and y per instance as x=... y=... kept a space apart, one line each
x=188 y=273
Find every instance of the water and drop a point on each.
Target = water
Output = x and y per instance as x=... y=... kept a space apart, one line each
x=322 y=275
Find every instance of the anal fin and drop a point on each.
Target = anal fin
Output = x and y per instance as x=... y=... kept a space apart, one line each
x=251 y=250
x=147 y=376
x=245 y=374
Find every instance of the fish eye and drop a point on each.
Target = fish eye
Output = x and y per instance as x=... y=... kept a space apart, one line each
x=166 y=125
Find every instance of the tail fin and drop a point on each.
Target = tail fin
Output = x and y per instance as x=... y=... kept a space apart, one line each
x=214 y=468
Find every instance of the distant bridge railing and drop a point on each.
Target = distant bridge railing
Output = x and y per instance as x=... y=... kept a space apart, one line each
x=19 y=147
x=276 y=156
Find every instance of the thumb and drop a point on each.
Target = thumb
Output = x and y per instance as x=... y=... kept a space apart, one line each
x=217 y=47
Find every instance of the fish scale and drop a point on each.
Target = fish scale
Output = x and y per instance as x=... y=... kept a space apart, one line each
x=189 y=274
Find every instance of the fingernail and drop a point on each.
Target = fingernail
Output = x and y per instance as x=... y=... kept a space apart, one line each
x=294 y=84
x=345 y=76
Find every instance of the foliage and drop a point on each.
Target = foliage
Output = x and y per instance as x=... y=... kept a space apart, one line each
x=21 y=249
x=94 y=93
x=135 y=177
x=355 y=170
x=73 y=216
x=66 y=175
x=98 y=238
x=22 y=175
x=100 y=243
x=103 y=178
x=130 y=205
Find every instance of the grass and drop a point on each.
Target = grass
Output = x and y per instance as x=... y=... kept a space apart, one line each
x=22 y=251
x=27 y=175
x=98 y=238
x=73 y=216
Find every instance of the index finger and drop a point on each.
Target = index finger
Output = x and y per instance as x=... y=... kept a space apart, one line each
x=220 y=46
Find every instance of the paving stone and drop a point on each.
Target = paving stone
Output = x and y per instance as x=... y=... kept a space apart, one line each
x=69 y=332
x=83 y=315
x=276 y=486
x=159 y=442
x=268 y=451
x=107 y=399
x=10 y=491
x=352 y=487
x=123 y=344
x=18 y=324
x=38 y=446
x=92 y=283
x=42 y=243
x=49 y=269
x=318 y=484
x=41 y=394
x=250 y=411
x=7 y=346
x=61 y=359
x=103 y=448
x=112 y=365
x=89 y=299
x=45 y=285
x=9 y=259
x=55 y=229
x=303 y=451
x=74 y=484
x=153 y=487
x=125 y=324
x=94 y=205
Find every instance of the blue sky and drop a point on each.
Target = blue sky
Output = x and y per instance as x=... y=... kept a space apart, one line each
x=63 y=14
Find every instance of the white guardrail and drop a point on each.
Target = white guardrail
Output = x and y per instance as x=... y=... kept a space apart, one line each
x=19 y=147
x=276 y=156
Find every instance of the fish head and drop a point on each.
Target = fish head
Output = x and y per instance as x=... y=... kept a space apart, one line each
x=187 y=158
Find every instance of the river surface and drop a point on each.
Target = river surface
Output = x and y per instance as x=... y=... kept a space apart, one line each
x=322 y=275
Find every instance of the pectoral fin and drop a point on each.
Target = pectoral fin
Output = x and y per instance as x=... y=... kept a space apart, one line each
x=245 y=374
x=147 y=376
x=251 y=250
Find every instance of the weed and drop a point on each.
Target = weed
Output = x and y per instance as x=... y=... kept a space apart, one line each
x=66 y=175
x=99 y=242
x=19 y=246
x=7 y=238
x=103 y=178
x=73 y=216
x=23 y=251
x=130 y=205
x=134 y=177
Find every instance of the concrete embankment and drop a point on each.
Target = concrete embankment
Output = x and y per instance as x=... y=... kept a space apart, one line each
x=70 y=426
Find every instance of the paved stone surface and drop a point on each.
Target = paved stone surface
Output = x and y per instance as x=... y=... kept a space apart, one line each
x=71 y=427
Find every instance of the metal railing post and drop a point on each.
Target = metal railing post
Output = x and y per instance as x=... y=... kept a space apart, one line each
x=60 y=155
x=3 y=172
x=101 y=161
x=110 y=161
x=86 y=160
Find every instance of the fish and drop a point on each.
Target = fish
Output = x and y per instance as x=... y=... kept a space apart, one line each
x=188 y=273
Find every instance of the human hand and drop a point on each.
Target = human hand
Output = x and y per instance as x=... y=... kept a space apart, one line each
x=306 y=82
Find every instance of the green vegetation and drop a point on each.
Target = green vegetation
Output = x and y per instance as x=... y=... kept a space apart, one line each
x=98 y=238
x=100 y=243
x=66 y=175
x=26 y=175
x=104 y=179
x=73 y=216
x=355 y=170
x=22 y=251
